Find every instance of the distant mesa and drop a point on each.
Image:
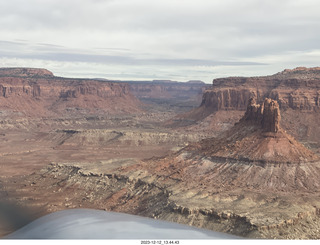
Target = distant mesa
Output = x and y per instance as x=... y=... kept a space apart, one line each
x=163 y=81
x=25 y=72
x=167 y=90
x=170 y=81
x=196 y=82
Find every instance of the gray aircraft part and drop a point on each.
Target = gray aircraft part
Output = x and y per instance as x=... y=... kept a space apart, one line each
x=98 y=224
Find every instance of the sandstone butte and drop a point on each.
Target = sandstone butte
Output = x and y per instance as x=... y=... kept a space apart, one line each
x=258 y=137
x=297 y=92
x=37 y=92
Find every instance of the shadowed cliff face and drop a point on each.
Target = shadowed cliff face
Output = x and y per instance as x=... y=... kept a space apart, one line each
x=266 y=115
x=271 y=116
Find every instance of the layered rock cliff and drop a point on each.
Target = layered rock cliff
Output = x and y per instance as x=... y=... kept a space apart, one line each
x=296 y=89
x=297 y=92
x=38 y=92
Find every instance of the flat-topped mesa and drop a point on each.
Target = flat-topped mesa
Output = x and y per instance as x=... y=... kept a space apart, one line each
x=25 y=72
x=266 y=114
x=298 y=89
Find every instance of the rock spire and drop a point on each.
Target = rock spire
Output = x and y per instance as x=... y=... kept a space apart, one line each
x=266 y=114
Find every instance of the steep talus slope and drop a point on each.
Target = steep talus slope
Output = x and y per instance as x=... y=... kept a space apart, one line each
x=37 y=92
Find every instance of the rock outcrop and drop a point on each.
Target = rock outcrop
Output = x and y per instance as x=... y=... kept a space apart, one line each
x=266 y=114
x=258 y=138
x=38 y=92
x=296 y=91
x=271 y=116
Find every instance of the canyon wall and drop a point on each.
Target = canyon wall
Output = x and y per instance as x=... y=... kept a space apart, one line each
x=296 y=89
x=297 y=92
x=38 y=92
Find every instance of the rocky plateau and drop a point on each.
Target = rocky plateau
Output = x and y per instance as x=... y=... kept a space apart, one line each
x=245 y=162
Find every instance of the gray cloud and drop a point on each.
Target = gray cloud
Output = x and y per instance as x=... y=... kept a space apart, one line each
x=255 y=34
x=59 y=53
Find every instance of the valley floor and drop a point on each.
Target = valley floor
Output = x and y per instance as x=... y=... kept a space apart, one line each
x=28 y=145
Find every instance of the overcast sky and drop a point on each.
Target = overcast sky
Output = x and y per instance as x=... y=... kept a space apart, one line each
x=152 y=39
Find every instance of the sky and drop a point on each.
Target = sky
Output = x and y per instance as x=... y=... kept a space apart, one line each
x=179 y=40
